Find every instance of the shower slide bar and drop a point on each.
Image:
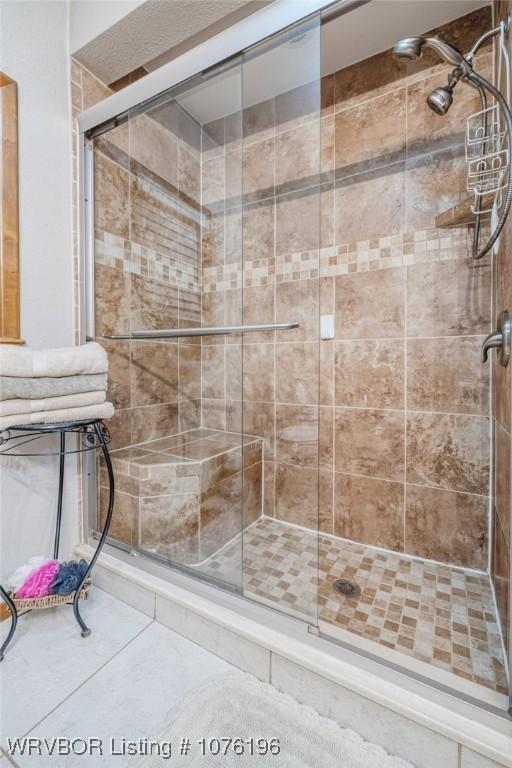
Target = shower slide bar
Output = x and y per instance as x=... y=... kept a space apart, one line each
x=214 y=330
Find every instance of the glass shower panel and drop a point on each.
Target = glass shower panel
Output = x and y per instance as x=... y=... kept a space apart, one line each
x=279 y=275
x=112 y=292
x=273 y=461
x=172 y=185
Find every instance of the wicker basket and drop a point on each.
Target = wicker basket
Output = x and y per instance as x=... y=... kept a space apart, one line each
x=49 y=601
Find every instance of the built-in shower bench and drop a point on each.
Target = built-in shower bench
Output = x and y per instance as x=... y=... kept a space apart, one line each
x=185 y=496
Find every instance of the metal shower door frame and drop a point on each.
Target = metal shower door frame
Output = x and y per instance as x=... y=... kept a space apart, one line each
x=255 y=28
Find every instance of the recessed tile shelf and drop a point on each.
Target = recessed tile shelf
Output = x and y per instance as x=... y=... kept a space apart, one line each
x=462 y=214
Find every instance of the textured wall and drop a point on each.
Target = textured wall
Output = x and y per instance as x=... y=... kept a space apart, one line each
x=33 y=52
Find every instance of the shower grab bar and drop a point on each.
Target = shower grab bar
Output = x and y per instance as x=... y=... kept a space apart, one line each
x=214 y=330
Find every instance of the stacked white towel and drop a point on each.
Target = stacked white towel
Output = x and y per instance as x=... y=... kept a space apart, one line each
x=53 y=385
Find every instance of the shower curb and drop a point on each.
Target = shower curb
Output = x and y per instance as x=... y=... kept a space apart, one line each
x=249 y=636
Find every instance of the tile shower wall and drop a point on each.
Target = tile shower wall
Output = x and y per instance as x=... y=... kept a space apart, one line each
x=147 y=268
x=86 y=90
x=147 y=275
x=402 y=432
x=147 y=271
x=403 y=429
x=501 y=562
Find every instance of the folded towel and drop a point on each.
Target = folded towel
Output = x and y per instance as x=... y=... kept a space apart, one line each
x=35 y=389
x=13 y=407
x=88 y=413
x=68 y=361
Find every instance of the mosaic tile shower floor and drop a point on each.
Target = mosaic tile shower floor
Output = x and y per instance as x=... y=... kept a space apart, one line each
x=440 y=615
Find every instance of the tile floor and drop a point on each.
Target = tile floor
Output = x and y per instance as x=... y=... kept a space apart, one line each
x=440 y=615
x=65 y=685
x=124 y=680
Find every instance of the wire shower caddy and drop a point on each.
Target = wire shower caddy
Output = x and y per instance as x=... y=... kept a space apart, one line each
x=486 y=146
x=487 y=157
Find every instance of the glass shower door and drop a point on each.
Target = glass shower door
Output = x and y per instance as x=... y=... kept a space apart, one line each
x=167 y=196
x=279 y=271
x=207 y=216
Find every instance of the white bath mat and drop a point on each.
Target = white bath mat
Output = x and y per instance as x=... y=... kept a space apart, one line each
x=238 y=706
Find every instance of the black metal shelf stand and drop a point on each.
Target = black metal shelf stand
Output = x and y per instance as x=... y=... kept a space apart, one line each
x=91 y=435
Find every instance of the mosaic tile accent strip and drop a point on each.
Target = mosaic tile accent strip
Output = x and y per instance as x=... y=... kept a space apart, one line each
x=113 y=251
x=363 y=256
x=440 y=615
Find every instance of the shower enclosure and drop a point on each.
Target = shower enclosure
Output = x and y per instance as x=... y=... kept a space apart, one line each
x=294 y=340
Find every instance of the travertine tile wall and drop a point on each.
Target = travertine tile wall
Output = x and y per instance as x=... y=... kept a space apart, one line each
x=147 y=264
x=501 y=562
x=85 y=90
x=181 y=496
x=343 y=226
x=341 y=189
x=148 y=275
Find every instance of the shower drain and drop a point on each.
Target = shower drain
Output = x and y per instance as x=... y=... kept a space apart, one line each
x=346 y=588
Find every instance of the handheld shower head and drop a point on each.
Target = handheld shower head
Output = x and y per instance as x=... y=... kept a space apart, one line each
x=440 y=100
x=408 y=48
x=411 y=48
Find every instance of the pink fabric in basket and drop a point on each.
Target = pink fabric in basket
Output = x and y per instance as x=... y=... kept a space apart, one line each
x=38 y=583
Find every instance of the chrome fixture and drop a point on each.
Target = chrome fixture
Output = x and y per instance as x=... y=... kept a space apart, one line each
x=440 y=101
x=411 y=48
x=213 y=330
x=500 y=340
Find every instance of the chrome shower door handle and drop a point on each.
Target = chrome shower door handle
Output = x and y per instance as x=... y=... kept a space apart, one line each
x=501 y=340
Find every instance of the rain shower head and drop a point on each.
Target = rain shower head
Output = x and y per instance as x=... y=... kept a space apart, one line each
x=411 y=48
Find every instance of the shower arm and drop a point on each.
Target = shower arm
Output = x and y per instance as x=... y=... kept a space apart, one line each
x=483 y=39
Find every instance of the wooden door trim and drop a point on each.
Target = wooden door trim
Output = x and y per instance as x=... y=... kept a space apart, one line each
x=9 y=214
